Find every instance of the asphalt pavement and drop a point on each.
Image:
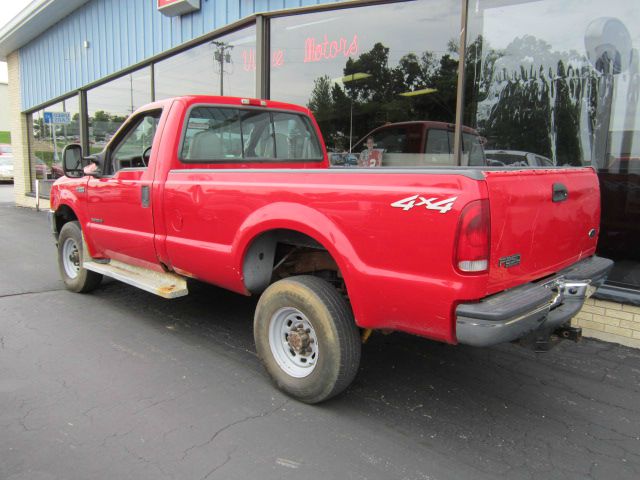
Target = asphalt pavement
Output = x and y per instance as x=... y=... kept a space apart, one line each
x=121 y=384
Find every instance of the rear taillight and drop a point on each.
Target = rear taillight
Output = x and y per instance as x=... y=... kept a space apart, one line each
x=474 y=231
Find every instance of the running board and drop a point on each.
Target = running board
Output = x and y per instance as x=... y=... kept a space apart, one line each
x=167 y=285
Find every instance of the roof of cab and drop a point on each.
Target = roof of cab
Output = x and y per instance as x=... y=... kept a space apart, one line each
x=241 y=102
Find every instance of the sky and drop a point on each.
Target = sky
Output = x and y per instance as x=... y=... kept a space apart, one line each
x=8 y=11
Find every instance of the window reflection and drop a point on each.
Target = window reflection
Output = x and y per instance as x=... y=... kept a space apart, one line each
x=225 y=66
x=51 y=129
x=543 y=94
x=110 y=104
x=365 y=69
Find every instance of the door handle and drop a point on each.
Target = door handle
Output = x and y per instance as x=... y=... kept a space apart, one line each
x=560 y=192
x=145 y=196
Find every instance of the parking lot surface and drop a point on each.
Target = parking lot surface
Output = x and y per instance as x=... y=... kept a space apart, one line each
x=120 y=384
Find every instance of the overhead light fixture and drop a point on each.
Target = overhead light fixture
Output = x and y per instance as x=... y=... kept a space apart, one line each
x=423 y=91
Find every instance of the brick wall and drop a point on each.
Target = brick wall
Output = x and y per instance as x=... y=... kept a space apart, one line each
x=19 y=137
x=609 y=321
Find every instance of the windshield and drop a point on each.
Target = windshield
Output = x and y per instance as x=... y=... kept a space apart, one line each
x=5 y=149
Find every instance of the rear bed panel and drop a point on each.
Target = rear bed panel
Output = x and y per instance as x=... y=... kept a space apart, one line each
x=548 y=236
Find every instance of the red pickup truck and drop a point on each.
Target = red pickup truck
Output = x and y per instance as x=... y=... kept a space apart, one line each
x=239 y=193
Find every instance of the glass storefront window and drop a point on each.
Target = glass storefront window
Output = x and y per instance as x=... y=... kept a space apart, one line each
x=557 y=83
x=363 y=71
x=224 y=66
x=110 y=104
x=51 y=129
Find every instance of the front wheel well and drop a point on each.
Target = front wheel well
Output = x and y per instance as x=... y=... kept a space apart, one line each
x=282 y=253
x=64 y=214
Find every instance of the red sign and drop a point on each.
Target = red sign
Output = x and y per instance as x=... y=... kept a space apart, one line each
x=173 y=8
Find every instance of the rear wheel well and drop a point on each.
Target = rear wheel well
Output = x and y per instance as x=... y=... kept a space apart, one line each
x=282 y=253
x=64 y=214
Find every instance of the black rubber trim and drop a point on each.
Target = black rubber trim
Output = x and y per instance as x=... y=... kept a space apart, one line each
x=594 y=268
x=508 y=304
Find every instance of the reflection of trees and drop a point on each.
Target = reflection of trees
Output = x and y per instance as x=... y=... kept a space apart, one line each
x=377 y=99
x=105 y=124
x=528 y=97
x=524 y=97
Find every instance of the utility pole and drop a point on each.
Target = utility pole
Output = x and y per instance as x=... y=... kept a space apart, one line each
x=131 y=93
x=221 y=56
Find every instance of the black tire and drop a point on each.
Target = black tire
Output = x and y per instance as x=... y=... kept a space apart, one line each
x=338 y=339
x=85 y=280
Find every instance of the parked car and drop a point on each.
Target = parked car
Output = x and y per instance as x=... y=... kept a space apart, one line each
x=239 y=193
x=6 y=168
x=516 y=158
x=6 y=150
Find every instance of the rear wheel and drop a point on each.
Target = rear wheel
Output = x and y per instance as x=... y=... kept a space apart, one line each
x=70 y=251
x=306 y=337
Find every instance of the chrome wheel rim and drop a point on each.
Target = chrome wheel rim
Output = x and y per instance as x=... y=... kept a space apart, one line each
x=293 y=342
x=71 y=258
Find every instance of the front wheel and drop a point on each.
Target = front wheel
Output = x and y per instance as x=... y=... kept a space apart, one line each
x=306 y=338
x=70 y=250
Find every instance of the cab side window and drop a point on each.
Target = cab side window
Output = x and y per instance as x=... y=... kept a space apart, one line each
x=213 y=134
x=134 y=149
x=227 y=134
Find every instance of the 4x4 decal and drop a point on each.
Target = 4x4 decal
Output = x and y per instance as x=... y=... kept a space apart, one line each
x=443 y=206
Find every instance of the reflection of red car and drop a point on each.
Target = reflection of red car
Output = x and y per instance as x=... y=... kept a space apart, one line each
x=43 y=171
x=56 y=170
x=422 y=143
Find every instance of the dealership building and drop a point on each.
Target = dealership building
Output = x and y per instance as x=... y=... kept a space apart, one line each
x=535 y=83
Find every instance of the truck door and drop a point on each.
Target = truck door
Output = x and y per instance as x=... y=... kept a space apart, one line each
x=119 y=202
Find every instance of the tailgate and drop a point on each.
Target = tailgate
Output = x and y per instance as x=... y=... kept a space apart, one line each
x=547 y=235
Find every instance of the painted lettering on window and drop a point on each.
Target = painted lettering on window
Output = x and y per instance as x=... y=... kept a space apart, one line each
x=249 y=59
x=316 y=51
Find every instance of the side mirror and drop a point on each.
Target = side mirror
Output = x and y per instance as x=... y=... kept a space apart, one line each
x=72 y=164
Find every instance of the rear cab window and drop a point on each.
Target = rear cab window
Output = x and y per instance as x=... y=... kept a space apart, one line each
x=221 y=134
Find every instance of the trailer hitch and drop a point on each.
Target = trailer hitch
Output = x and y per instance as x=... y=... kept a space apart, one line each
x=568 y=332
x=544 y=340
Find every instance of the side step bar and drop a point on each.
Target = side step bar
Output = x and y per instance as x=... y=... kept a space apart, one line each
x=167 y=285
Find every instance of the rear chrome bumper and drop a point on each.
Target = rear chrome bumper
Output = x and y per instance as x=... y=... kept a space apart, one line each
x=546 y=304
